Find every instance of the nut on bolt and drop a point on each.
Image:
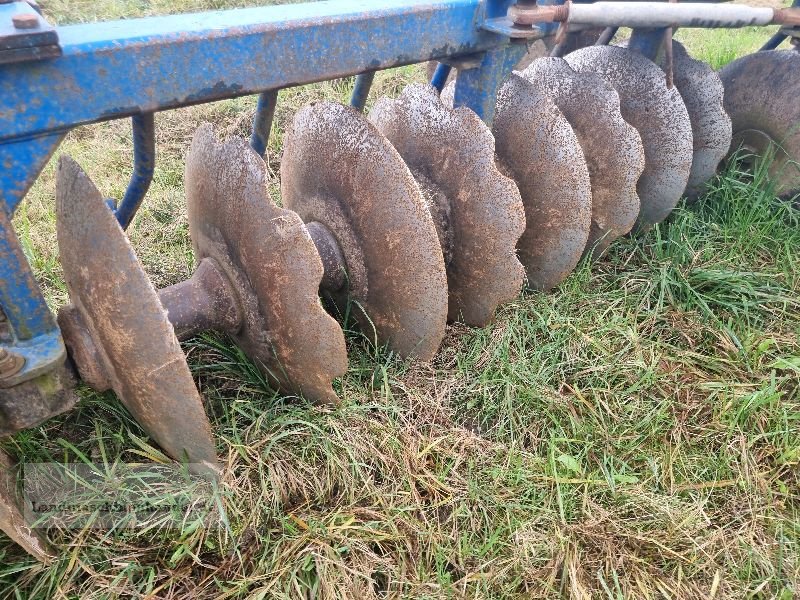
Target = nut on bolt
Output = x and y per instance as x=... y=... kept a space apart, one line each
x=787 y=16
x=10 y=363
x=528 y=12
x=25 y=20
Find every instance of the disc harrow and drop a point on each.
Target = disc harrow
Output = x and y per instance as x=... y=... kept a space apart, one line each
x=702 y=92
x=760 y=97
x=477 y=211
x=611 y=147
x=339 y=173
x=436 y=206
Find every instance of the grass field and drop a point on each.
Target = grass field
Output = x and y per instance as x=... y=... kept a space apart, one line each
x=633 y=434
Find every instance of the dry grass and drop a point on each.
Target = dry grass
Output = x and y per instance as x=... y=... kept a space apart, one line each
x=634 y=434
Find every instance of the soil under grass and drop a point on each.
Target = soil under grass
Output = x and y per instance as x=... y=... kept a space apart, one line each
x=633 y=434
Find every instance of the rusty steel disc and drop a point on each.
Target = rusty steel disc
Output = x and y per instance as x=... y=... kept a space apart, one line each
x=270 y=260
x=12 y=519
x=659 y=115
x=761 y=92
x=338 y=170
x=702 y=92
x=538 y=149
x=478 y=212
x=114 y=303
x=612 y=148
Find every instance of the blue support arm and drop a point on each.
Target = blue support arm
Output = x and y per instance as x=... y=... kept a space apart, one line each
x=440 y=75
x=361 y=90
x=144 y=164
x=262 y=121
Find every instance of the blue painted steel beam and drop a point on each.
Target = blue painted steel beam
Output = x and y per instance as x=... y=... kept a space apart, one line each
x=144 y=164
x=121 y=68
x=477 y=88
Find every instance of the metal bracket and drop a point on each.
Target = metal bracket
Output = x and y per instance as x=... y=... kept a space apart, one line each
x=25 y=35
x=527 y=19
x=35 y=356
x=506 y=27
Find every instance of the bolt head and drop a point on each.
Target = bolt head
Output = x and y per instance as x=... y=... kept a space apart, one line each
x=25 y=20
x=10 y=364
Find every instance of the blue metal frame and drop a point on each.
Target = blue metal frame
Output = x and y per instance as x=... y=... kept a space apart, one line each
x=180 y=60
x=136 y=67
x=477 y=88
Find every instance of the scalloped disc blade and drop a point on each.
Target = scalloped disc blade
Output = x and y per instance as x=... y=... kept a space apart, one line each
x=478 y=212
x=117 y=304
x=612 y=148
x=268 y=255
x=12 y=519
x=659 y=115
x=338 y=170
x=702 y=92
x=538 y=149
x=761 y=92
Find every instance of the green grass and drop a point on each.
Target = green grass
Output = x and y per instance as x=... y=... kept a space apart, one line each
x=718 y=47
x=633 y=434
